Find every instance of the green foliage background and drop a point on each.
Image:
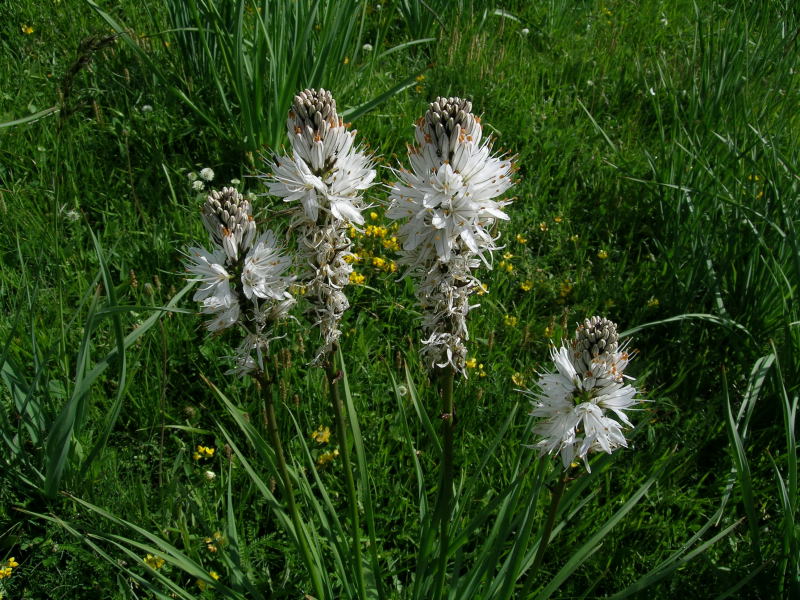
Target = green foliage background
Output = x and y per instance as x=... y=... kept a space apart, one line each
x=657 y=145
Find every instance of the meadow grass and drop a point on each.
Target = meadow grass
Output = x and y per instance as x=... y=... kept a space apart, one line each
x=657 y=146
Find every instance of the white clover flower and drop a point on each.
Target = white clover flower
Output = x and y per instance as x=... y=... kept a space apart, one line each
x=192 y=177
x=367 y=47
x=207 y=174
x=146 y=108
x=210 y=475
x=525 y=31
x=198 y=185
x=325 y=176
x=242 y=280
x=582 y=404
x=449 y=199
x=235 y=181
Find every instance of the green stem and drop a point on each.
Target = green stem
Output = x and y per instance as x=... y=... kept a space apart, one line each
x=555 y=499
x=288 y=488
x=444 y=508
x=341 y=433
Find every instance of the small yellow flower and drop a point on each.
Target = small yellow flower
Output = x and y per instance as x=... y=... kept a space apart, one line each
x=203 y=452
x=379 y=262
x=357 y=278
x=558 y=219
x=526 y=286
x=471 y=363
x=346 y=60
x=353 y=232
x=602 y=255
x=5 y=572
x=510 y=321
x=26 y=29
x=327 y=457
x=482 y=289
x=321 y=435
x=418 y=89
x=652 y=302
x=214 y=575
x=548 y=331
x=753 y=178
x=521 y=239
x=154 y=562
x=373 y=215
x=420 y=77
x=481 y=372
x=508 y=255
x=509 y=268
x=543 y=226
x=518 y=379
x=12 y=563
x=574 y=238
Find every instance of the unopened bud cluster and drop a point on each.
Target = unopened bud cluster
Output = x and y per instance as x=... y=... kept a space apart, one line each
x=448 y=201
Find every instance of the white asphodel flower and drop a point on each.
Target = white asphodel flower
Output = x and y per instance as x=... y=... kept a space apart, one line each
x=582 y=404
x=450 y=200
x=242 y=279
x=449 y=196
x=326 y=174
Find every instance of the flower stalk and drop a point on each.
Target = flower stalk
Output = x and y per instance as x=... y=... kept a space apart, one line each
x=444 y=504
x=333 y=376
x=286 y=480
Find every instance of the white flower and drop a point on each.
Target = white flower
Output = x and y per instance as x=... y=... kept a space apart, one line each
x=214 y=293
x=192 y=176
x=262 y=274
x=327 y=174
x=235 y=181
x=449 y=199
x=210 y=475
x=579 y=402
x=449 y=195
x=207 y=174
x=367 y=47
x=198 y=186
x=525 y=31
x=146 y=108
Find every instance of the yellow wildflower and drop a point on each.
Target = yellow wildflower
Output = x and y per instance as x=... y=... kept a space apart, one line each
x=543 y=226
x=357 y=278
x=602 y=255
x=548 y=331
x=214 y=575
x=353 y=232
x=321 y=435
x=327 y=457
x=420 y=77
x=203 y=452
x=509 y=267
x=5 y=572
x=508 y=255
x=379 y=262
x=346 y=60
x=471 y=363
x=521 y=239
x=518 y=379
x=526 y=286
x=574 y=238
x=653 y=302
x=26 y=29
x=154 y=562
x=558 y=219
x=482 y=289
x=481 y=372
x=373 y=215
x=12 y=563
x=510 y=320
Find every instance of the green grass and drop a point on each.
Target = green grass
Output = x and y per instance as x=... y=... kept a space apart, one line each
x=657 y=146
